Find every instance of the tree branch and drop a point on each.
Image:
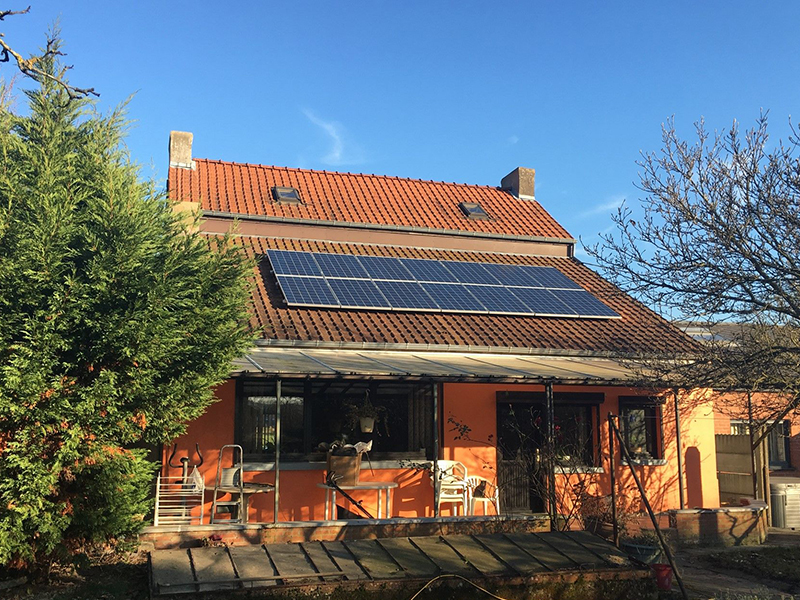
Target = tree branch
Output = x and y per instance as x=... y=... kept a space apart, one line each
x=30 y=66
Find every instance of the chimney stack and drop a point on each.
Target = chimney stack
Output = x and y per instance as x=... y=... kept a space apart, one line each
x=180 y=150
x=520 y=183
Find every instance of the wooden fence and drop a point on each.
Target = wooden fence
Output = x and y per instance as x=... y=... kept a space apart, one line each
x=735 y=463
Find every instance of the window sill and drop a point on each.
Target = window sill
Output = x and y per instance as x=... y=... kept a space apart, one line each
x=646 y=462
x=560 y=470
x=321 y=465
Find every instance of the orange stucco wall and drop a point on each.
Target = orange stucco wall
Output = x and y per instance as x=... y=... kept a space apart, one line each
x=473 y=405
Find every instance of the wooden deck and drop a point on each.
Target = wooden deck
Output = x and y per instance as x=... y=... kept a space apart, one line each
x=514 y=559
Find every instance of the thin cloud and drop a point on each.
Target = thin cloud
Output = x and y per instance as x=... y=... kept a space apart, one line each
x=513 y=139
x=339 y=153
x=604 y=208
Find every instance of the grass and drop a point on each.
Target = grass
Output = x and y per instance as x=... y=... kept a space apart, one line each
x=778 y=564
x=111 y=578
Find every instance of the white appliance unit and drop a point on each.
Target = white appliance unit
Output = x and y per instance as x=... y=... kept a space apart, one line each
x=785 y=501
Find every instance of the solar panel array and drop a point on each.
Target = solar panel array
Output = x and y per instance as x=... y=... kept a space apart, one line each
x=377 y=282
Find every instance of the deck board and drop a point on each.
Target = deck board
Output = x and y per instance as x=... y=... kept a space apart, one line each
x=544 y=553
x=252 y=561
x=321 y=560
x=477 y=555
x=344 y=560
x=611 y=554
x=290 y=560
x=213 y=564
x=443 y=556
x=172 y=570
x=374 y=559
x=511 y=554
x=377 y=563
x=409 y=557
x=574 y=550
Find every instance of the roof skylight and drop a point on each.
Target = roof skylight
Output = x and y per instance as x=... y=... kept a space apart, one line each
x=286 y=195
x=473 y=210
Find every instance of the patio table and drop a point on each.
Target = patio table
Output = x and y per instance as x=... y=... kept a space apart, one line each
x=383 y=489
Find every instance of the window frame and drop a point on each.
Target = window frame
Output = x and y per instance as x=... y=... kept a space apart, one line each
x=653 y=429
x=419 y=428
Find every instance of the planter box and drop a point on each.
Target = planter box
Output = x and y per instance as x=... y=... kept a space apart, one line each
x=345 y=468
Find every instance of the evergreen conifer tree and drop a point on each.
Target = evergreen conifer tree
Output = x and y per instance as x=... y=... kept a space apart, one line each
x=116 y=321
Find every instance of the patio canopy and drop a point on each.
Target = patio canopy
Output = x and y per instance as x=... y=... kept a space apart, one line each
x=449 y=366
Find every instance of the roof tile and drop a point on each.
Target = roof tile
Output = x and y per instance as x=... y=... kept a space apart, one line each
x=638 y=331
x=358 y=198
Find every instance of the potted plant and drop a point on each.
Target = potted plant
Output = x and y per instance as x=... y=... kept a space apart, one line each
x=644 y=547
x=364 y=415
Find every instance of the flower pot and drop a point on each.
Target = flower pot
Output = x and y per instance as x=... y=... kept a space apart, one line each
x=645 y=553
x=367 y=424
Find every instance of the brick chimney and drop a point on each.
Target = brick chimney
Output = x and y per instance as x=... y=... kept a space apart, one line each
x=520 y=183
x=180 y=150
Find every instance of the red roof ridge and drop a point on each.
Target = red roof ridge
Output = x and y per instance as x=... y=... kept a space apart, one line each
x=326 y=172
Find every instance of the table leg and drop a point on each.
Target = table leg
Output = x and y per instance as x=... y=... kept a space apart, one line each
x=388 y=505
x=379 y=490
x=333 y=504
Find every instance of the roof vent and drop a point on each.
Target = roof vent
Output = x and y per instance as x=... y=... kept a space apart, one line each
x=286 y=195
x=473 y=210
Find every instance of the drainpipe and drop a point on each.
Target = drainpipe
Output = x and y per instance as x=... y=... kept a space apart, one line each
x=680 y=448
x=436 y=449
x=551 y=465
x=277 y=450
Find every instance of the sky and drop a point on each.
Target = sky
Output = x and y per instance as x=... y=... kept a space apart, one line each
x=450 y=91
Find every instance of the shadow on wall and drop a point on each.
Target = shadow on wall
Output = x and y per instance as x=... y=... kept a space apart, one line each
x=694 y=478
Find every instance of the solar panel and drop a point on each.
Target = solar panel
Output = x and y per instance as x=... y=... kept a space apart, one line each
x=358 y=293
x=341 y=265
x=453 y=297
x=551 y=278
x=471 y=273
x=498 y=299
x=513 y=275
x=307 y=291
x=285 y=262
x=406 y=294
x=428 y=270
x=383 y=267
x=542 y=302
x=333 y=280
x=583 y=303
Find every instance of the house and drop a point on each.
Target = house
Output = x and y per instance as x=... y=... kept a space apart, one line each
x=460 y=315
x=749 y=414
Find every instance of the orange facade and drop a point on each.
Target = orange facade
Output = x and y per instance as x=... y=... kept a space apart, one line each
x=475 y=406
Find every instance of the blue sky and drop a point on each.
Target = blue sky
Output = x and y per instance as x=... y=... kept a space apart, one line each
x=454 y=91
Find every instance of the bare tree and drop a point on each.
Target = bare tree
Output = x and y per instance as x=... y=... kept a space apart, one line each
x=32 y=67
x=718 y=241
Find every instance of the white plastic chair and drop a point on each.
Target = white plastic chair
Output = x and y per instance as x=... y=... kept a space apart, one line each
x=483 y=491
x=453 y=489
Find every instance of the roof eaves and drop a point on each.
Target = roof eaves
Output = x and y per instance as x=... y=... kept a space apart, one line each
x=343 y=345
x=378 y=226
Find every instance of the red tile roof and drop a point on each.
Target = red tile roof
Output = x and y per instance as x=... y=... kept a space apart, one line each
x=352 y=198
x=638 y=331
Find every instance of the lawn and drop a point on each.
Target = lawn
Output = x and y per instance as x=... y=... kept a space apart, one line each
x=778 y=564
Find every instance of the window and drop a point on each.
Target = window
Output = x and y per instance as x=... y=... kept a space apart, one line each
x=572 y=426
x=522 y=426
x=640 y=425
x=777 y=442
x=473 y=210
x=316 y=413
x=286 y=195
